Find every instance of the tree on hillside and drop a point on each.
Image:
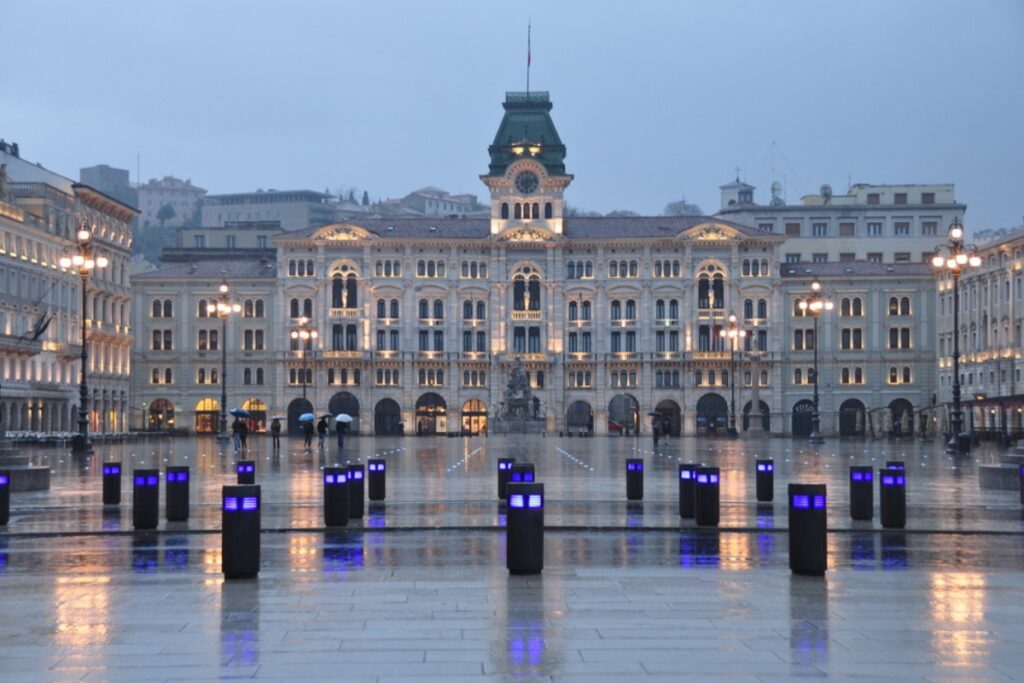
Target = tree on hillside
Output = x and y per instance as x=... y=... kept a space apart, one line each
x=622 y=213
x=165 y=214
x=366 y=198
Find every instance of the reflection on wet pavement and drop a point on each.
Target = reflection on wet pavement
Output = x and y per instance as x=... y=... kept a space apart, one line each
x=628 y=591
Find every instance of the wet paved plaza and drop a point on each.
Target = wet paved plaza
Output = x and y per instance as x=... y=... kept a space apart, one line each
x=418 y=589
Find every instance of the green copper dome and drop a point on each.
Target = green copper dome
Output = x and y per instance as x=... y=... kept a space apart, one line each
x=527 y=131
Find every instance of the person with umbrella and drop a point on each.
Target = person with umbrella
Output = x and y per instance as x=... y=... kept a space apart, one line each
x=342 y=428
x=236 y=433
x=321 y=431
x=275 y=433
x=243 y=433
x=306 y=420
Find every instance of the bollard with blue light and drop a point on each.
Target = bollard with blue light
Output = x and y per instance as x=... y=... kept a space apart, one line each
x=145 y=499
x=808 y=529
x=764 y=480
x=892 y=498
x=375 y=478
x=862 y=492
x=634 y=479
x=524 y=532
x=522 y=473
x=1022 y=484
x=688 y=490
x=896 y=464
x=111 y=483
x=504 y=469
x=177 y=497
x=706 y=505
x=356 y=491
x=5 y=496
x=335 y=496
x=246 y=471
x=240 y=531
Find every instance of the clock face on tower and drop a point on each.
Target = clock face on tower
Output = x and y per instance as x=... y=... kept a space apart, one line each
x=526 y=182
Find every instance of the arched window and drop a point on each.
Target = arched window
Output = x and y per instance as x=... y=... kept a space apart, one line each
x=585 y=312
x=845 y=376
x=894 y=306
x=352 y=291
x=762 y=309
x=293 y=308
x=906 y=375
x=438 y=308
x=905 y=305
x=798 y=376
x=634 y=268
x=309 y=268
x=158 y=310
x=673 y=309
x=155 y=378
x=291 y=268
x=467 y=310
x=844 y=306
x=659 y=309
x=247 y=309
x=536 y=210
x=424 y=307
x=630 y=309
x=201 y=376
x=573 y=310
x=168 y=376
x=302 y=268
x=307 y=308
x=613 y=269
x=421 y=269
x=394 y=309
x=657 y=269
x=259 y=375
x=698 y=377
x=247 y=376
x=755 y=269
x=893 y=376
x=518 y=211
x=504 y=210
x=616 y=309
x=746 y=267
x=570 y=270
x=748 y=308
x=258 y=309
x=481 y=310
x=382 y=308
x=549 y=211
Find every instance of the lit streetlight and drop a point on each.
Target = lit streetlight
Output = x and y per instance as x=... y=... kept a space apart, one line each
x=813 y=306
x=85 y=261
x=305 y=335
x=223 y=308
x=733 y=334
x=953 y=258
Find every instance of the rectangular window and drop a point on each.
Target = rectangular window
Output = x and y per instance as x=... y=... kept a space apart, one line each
x=793 y=229
x=766 y=227
x=929 y=228
x=847 y=229
x=424 y=340
x=873 y=198
x=200 y=241
x=902 y=257
x=261 y=241
x=902 y=228
x=792 y=258
x=899 y=198
x=230 y=242
x=874 y=229
x=819 y=258
x=927 y=197
x=819 y=230
x=874 y=257
x=519 y=339
x=846 y=257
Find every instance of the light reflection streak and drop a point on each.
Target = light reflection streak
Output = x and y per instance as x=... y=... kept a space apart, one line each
x=958 y=609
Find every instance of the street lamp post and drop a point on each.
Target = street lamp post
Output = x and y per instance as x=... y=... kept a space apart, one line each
x=733 y=334
x=958 y=257
x=815 y=304
x=222 y=309
x=84 y=261
x=304 y=334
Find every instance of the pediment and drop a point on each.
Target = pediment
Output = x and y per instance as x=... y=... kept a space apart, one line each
x=342 y=232
x=533 y=234
x=711 y=232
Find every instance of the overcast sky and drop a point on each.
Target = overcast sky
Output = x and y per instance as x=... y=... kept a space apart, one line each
x=654 y=100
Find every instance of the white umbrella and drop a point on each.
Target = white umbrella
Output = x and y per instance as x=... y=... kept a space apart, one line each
x=342 y=417
x=279 y=417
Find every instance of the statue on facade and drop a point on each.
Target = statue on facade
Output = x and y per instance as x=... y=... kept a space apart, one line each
x=5 y=195
x=520 y=404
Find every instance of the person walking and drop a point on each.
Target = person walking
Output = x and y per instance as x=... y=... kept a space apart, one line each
x=656 y=430
x=236 y=435
x=243 y=434
x=307 y=432
x=275 y=433
x=321 y=431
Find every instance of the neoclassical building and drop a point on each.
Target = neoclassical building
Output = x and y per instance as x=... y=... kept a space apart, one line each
x=420 y=321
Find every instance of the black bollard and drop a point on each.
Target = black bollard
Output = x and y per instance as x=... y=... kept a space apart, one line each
x=765 y=481
x=808 y=529
x=145 y=499
x=246 y=471
x=892 y=498
x=1022 y=484
x=522 y=473
x=688 y=490
x=504 y=468
x=634 y=479
x=335 y=496
x=895 y=464
x=356 y=495
x=177 y=505
x=862 y=496
x=375 y=478
x=112 y=483
x=707 y=496
x=240 y=531
x=5 y=497
x=524 y=533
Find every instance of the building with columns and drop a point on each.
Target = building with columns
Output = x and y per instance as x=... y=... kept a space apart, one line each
x=420 y=320
x=40 y=303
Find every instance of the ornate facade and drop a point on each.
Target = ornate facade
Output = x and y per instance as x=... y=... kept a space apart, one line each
x=421 y=321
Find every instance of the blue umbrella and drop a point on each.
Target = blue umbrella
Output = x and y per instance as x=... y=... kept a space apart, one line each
x=307 y=417
x=239 y=412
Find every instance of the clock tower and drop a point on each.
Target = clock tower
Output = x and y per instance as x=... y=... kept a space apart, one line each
x=527 y=175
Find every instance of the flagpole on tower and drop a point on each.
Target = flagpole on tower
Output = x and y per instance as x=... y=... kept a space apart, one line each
x=529 y=29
